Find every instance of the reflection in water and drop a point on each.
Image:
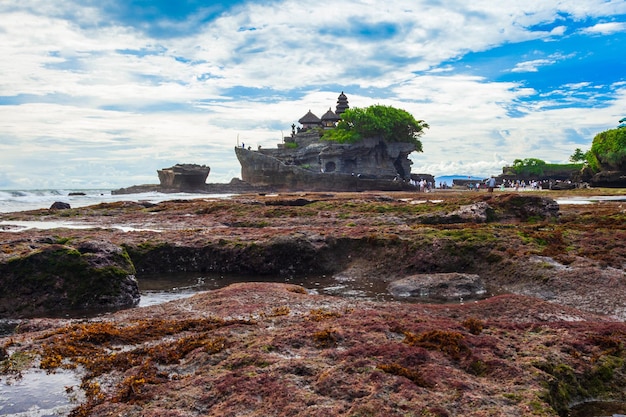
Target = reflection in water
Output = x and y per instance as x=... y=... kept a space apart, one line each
x=37 y=393
x=156 y=289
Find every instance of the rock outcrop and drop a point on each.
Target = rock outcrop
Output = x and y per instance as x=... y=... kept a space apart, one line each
x=60 y=205
x=305 y=162
x=501 y=207
x=184 y=177
x=609 y=179
x=59 y=276
x=439 y=287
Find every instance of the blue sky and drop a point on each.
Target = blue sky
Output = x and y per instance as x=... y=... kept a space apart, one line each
x=103 y=93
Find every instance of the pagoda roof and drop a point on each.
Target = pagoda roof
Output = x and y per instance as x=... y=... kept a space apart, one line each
x=342 y=104
x=331 y=115
x=309 y=118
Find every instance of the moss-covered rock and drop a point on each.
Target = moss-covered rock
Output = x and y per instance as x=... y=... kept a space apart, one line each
x=56 y=277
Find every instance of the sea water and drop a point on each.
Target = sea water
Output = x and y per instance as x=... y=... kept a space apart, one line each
x=22 y=200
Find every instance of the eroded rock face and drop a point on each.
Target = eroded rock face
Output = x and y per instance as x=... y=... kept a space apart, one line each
x=55 y=276
x=478 y=212
x=611 y=179
x=525 y=207
x=184 y=177
x=441 y=287
x=505 y=207
x=311 y=164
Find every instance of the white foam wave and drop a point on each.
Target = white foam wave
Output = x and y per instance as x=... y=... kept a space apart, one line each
x=22 y=200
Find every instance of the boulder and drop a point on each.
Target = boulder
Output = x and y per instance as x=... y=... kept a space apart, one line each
x=55 y=277
x=524 y=207
x=439 y=287
x=60 y=205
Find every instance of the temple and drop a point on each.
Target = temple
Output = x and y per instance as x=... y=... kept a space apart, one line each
x=304 y=161
x=329 y=119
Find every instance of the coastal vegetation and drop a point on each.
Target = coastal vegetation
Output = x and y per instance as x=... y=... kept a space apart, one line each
x=386 y=122
x=534 y=167
x=608 y=151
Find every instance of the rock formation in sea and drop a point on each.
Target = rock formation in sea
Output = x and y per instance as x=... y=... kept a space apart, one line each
x=303 y=161
x=184 y=177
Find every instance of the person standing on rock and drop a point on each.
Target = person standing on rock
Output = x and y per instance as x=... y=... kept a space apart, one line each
x=491 y=184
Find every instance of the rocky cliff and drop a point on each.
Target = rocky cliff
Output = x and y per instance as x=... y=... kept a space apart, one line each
x=304 y=162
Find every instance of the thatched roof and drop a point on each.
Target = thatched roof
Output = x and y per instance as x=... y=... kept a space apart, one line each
x=330 y=116
x=309 y=118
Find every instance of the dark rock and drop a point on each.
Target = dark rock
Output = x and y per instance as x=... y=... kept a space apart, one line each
x=59 y=205
x=235 y=186
x=54 y=277
x=298 y=202
x=524 y=207
x=501 y=207
x=564 y=185
x=442 y=287
x=184 y=177
x=609 y=179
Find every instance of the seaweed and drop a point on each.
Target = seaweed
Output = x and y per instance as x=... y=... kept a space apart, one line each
x=101 y=347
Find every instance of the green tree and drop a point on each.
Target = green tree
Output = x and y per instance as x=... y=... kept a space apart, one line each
x=578 y=156
x=386 y=122
x=608 y=151
x=529 y=166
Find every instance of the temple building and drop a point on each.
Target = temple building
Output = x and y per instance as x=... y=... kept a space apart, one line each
x=342 y=104
x=329 y=119
x=309 y=121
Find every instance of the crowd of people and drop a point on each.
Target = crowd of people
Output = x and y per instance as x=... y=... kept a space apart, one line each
x=489 y=184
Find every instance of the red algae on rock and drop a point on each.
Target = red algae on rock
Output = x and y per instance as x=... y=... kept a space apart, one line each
x=232 y=352
x=553 y=337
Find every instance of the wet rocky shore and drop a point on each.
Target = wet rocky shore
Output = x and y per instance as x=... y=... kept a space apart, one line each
x=531 y=321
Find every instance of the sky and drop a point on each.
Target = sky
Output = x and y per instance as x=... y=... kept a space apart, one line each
x=102 y=93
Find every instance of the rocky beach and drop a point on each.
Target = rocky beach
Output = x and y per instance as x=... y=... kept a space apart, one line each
x=503 y=304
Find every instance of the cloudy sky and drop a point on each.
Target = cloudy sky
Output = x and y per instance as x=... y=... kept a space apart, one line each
x=102 y=93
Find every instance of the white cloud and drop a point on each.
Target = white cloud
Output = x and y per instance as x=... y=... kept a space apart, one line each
x=606 y=28
x=532 y=66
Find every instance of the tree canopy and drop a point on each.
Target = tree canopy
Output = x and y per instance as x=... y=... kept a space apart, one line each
x=529 y=166
x=578 y=156
x=608 y=151
x=386 y=122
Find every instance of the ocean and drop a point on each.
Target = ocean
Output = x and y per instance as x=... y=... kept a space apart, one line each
x=22 y=200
